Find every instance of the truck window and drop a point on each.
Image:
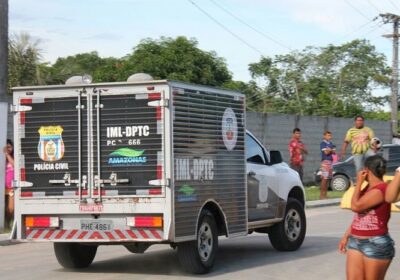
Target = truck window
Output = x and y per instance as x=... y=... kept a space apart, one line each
x=254 y=152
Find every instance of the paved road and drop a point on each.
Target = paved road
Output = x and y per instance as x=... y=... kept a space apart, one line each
x=249 y=257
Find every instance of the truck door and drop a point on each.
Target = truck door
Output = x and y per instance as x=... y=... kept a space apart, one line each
x=127 y=150
x=53 y=155
x=262 y=199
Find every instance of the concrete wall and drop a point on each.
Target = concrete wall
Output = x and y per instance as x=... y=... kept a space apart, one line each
x=275 y=131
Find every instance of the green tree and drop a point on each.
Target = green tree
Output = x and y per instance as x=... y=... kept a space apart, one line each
x=101 y=69
x=177 y=59
x=24 y=65
x=332 y=81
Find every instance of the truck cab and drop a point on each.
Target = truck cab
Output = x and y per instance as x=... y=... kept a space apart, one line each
x=275 y=196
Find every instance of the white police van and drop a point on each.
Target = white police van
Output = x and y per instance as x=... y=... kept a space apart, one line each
x=146 y=162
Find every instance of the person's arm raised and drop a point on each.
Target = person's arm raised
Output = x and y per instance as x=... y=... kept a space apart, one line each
x=393 y=189
x=360 y=204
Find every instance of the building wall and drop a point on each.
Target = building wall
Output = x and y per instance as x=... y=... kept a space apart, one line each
x=275 y=131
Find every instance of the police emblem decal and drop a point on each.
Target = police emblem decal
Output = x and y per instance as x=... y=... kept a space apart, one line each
x=229 y=129
x=51 y=146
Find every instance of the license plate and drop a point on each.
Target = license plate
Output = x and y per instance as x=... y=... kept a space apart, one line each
x=100 y=225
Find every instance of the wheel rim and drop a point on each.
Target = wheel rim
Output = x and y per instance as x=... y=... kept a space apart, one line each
x=205 y=241
x=339 y=184
x=292 y=225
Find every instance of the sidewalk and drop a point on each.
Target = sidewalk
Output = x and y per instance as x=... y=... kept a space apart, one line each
x=4 y=237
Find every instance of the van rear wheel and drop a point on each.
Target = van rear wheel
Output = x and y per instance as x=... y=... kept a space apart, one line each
x=288 y=235
x=74 y=255
x=198 y=256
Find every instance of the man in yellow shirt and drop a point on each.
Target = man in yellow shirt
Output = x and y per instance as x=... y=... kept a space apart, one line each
x=360 y=137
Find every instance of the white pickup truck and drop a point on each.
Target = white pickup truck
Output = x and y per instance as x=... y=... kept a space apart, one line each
x=139 y=163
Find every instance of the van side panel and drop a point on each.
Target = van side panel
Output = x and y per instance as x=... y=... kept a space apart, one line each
x=209 y=163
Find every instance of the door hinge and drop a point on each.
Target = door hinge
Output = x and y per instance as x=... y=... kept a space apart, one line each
x=21 y=184
x=159 y=103
x=159 y=182
x=20 y=108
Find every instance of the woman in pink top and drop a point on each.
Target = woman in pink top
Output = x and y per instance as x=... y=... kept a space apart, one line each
x=9 y=203
x=367 y=243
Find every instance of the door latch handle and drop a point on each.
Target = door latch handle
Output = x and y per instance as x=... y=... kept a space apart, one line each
x=113 y=180
x=66 y=180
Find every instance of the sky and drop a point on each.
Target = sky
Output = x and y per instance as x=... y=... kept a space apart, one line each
x=240 y=31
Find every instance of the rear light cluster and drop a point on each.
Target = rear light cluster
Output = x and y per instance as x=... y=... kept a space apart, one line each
x=42 y=222
x=144 y=221
x=54 y=222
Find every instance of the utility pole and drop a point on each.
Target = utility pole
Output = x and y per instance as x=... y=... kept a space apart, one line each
x=392 y=18
x=3 y=99
x=3 y=49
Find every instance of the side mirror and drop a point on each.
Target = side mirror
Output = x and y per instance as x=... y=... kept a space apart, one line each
x=276 y=157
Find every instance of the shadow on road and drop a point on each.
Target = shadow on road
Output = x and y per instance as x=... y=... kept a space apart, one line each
x=233 y=255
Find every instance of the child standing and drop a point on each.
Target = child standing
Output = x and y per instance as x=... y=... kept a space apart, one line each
x=327 y=151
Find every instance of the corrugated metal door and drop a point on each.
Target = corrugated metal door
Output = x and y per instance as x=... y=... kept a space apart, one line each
x=129 y=131
x=52 y=155
x=208 y=131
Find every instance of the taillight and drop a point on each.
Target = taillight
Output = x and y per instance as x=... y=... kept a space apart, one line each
x=144 y=221
x=42 y=222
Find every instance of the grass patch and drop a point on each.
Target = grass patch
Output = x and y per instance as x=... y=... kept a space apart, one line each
x=312 y=193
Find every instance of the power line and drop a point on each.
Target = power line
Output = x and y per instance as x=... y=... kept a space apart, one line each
x=357 y=29
x=394 y=5
x=226 y=28
x=373 y=30
x=357 y=10
x=251 y=27
x=375 y=7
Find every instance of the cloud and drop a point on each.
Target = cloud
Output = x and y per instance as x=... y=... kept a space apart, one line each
x=104 y=36
x=58 y=31
x=62 y=19
x=333 y=16
x=22 y=17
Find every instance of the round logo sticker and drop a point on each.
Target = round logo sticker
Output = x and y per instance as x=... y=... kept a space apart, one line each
x=229 y=129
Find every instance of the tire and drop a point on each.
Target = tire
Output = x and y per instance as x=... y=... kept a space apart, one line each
x=74 y=255
x=288 y=235
x=340 y=183
x=198 y=256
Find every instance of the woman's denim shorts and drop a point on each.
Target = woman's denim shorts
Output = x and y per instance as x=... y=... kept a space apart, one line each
x=378 y=247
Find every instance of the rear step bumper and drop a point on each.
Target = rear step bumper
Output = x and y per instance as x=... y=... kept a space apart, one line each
x=115 y=235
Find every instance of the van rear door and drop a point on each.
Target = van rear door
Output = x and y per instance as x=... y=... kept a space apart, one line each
x=90 y=143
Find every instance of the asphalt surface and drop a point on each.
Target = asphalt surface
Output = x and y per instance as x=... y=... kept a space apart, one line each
x=241 y=258
x=5 y=238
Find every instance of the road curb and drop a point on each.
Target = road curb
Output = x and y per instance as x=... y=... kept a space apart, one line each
x=323 y=203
